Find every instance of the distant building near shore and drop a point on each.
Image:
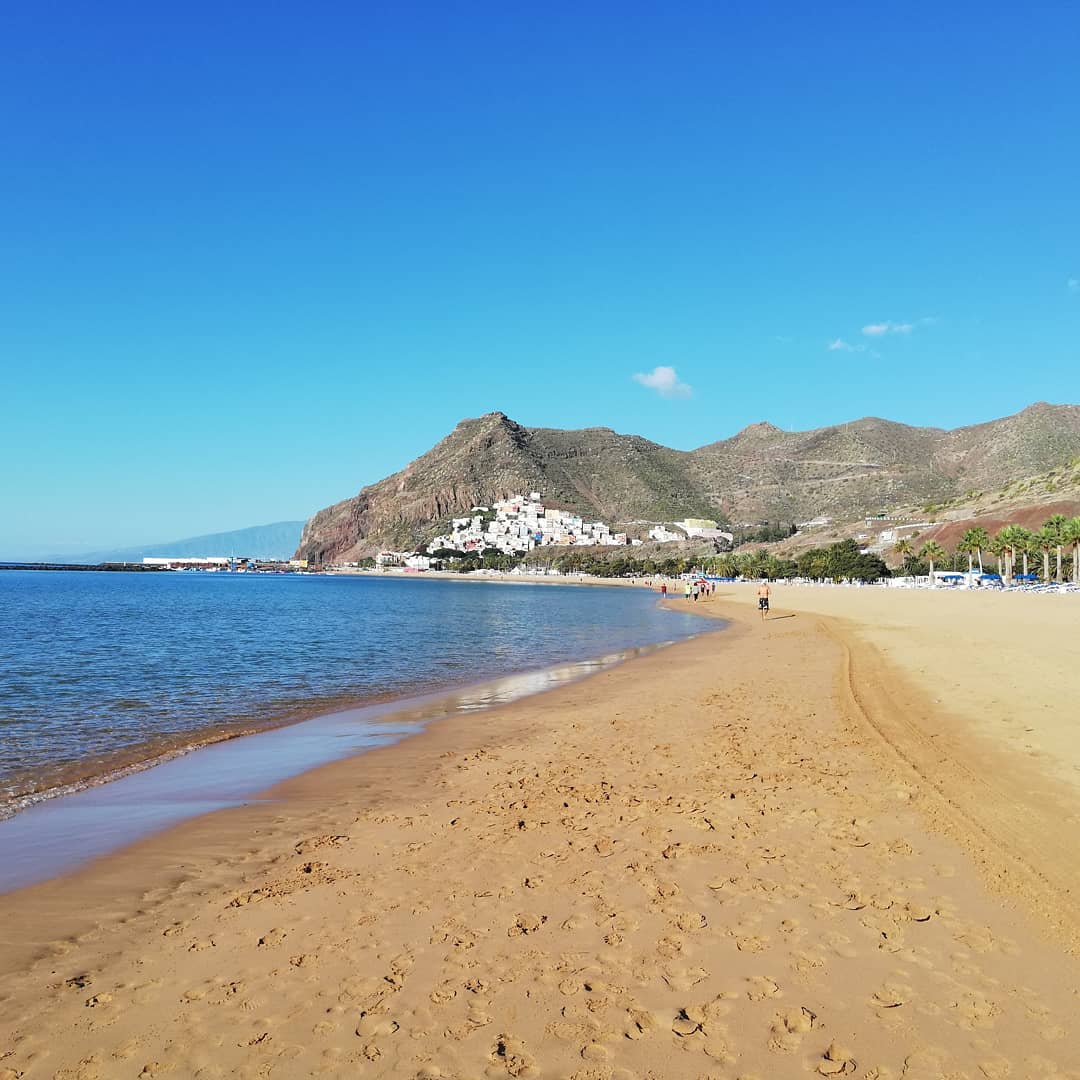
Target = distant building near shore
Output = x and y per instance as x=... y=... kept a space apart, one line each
x=221 y=562
x=704 y=529
x=663 y=535
x=517 y=525
x=177 y=562
x=902 y=532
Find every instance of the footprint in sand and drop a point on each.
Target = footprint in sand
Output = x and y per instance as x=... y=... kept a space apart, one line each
x=762 y=987
x=639 y=1023
x=689 y=1021
x=980 y=939
x=919 y=913
x=682 y=979
x=373 y=1025
x=837 y=1061
x=526 y=923
x=665 y=890
x=669 y=947
x=443 y=994
x=691 y=921
x=510 y=1056
x=803 y=963
x=924 y=1065
x=580 y=1032
x=788 y=1028
x=596 y=1052
x=841 y=945
x=751 y=943
x=975 y=1010
x=315 y=842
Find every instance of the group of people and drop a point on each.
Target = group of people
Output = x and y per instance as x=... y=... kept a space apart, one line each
x=693 y=590
x=702 y=589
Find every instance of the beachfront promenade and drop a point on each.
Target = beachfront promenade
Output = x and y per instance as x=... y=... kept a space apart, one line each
x=829 y=843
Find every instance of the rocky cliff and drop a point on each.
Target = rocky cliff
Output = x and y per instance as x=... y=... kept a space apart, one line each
x=762 y=472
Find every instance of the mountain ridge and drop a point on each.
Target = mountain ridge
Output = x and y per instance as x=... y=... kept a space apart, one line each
x=276 y=540
x=762 y=471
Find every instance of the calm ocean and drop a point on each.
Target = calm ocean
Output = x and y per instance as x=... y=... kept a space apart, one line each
x=102 y=670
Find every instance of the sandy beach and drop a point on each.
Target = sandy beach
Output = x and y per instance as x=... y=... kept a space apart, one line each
x=839 y=842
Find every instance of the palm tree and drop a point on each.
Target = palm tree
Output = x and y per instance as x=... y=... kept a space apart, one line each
x=750 y=563
x=1044 y=541
x=1025 y=545
x=1015 y=539
x=969 y=544
x=999 y=544
x=979 y=539
x=932 y=552
x=771 y=567
x=998 y=548
x=1070 y=534
x=1055 y=524
x=902 y=547
x=724 y=565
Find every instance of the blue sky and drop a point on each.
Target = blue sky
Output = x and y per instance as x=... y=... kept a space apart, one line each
x=254 y=256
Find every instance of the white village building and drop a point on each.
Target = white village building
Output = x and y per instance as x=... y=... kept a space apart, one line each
x=518 y=524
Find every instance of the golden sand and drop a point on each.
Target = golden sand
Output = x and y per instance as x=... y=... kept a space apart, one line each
x=840 y=842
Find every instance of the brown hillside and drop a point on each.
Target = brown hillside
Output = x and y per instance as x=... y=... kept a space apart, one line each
x=597 y=473
x=948 y=533
x=845 y=472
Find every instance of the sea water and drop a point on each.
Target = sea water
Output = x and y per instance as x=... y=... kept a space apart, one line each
x=101 y=672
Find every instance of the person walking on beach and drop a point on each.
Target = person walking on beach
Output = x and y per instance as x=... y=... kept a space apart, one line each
x=663 y=590
x=686 y=590
x=763 y=598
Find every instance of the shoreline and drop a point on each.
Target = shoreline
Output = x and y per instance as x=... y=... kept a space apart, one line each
x=699 y=860
x=63 y=779
x=339 y=734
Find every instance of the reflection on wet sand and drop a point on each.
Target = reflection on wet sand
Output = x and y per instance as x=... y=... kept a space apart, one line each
x=56 y=836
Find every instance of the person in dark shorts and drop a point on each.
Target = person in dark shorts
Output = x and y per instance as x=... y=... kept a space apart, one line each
x=763 y=598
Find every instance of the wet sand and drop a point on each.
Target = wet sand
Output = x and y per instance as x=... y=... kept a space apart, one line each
x=783 y=850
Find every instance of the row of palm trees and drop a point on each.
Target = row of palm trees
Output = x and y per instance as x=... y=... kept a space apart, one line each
x=1008 y=544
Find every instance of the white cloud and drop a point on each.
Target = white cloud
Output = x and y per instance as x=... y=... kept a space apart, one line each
x=883 y=328
x=840 y=345
x=665 y=382
x=1074 y=284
